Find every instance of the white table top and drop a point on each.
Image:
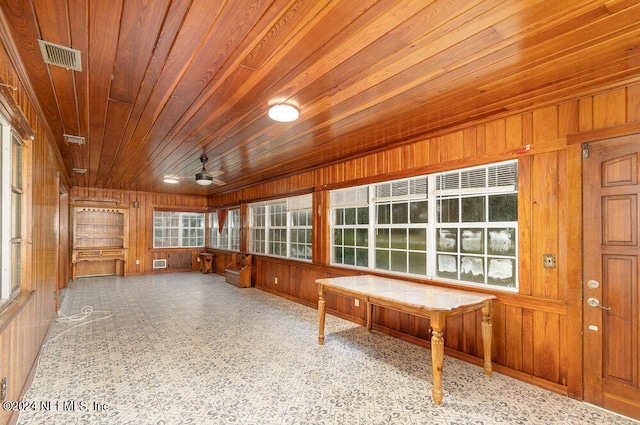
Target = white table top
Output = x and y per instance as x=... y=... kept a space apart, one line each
x=408 y=293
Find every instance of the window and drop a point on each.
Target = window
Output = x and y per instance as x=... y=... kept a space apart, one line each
x=229 y=237
x=282 y=228
x=459 y=226
x=11 y=211
x=277 y=235
x=173 y=229
x=477 y=224
x=258 y=232
x=401 y=216
x=301 y=234
x=350 y=233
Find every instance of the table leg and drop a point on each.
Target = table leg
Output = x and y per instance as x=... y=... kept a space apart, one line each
x=369 y=316
x=437 y=353
x=321 y=312
x=487 y=334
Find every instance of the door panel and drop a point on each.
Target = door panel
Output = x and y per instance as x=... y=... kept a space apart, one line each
x=611 y=296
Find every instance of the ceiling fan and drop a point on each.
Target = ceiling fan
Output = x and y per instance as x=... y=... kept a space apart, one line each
x=205 y=178
x=202 y=177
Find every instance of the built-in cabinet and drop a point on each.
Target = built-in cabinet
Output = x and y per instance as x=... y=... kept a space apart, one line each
x=99 y=240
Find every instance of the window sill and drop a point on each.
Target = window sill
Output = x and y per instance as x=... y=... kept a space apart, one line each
x=11 y=308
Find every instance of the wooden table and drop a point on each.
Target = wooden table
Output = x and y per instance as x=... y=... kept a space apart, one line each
x=433 y=302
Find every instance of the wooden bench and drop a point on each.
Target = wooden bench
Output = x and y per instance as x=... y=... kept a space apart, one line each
x=238 y=271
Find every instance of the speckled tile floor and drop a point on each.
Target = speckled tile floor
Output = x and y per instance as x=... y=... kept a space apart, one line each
x=189 y=348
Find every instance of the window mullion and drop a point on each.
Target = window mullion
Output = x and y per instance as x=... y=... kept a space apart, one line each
x=373 y=221
x=431 y=227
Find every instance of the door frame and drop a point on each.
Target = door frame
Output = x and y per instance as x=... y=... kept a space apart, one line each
x=575 y=143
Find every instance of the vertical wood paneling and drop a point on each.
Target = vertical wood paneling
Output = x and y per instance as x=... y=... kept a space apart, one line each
x=495 y=136
x=545 y=124
x=469 y=141
x=528 y=346
x=513 y=338
x=633 y=103
x=544 y=214
x=546 y=354
x=455 y=145
x=524 y=226
x=513 y=132
x=609 y=108
x=585 y=119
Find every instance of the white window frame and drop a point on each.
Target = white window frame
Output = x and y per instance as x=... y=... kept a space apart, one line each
x=229 y=238
x=11 y=229
x=180 y=228
x=371 y=196
x=266 y=218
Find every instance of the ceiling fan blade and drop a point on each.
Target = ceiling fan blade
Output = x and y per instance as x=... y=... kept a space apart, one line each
x=215 y=173
x=218 y=182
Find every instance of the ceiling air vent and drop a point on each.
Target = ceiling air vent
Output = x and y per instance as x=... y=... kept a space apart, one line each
x=78 y=140
x=80 y=170
x=60 y=56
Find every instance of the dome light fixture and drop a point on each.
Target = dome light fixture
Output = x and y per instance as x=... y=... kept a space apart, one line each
x=171 y=180
x=283 y=112
x=202 y=178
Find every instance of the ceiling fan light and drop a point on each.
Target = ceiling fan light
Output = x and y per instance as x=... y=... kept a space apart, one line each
x=283 y=112
x=203 y=179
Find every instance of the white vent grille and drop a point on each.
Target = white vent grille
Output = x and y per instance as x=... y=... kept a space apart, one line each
x=159 y=264
x=77 y=140
x=80 y=170
x=65 y=57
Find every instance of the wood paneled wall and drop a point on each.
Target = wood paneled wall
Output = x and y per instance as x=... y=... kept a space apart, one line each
x=537 y=332
x=140 y=238
x=24 y=322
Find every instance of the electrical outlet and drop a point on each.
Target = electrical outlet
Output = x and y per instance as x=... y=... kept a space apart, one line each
x=549 y=261
x=3 y=389
x=275 y=280
x=137 y=261
x=357 y=302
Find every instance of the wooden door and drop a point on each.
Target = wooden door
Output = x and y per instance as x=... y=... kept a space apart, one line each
x=611 y=192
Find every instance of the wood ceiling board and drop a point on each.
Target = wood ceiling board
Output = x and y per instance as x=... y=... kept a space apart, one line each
x=183 y=108
x=166 y=68
x=365 y=75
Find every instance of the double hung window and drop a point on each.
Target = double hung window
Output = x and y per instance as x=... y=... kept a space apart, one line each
x=282 y=227
x=174 y=229
x=225 y=234
x=457 y=226
x=11 y=188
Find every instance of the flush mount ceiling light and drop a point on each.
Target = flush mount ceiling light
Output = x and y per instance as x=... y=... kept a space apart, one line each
x=283 y=112
x=202 y=178
x=171 y=180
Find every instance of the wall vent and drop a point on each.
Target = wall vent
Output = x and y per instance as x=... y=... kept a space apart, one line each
x=78 y=140
x=65 y=57
x=159 y=264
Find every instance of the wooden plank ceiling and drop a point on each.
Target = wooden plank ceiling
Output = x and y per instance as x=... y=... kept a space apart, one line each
x=166 y=81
